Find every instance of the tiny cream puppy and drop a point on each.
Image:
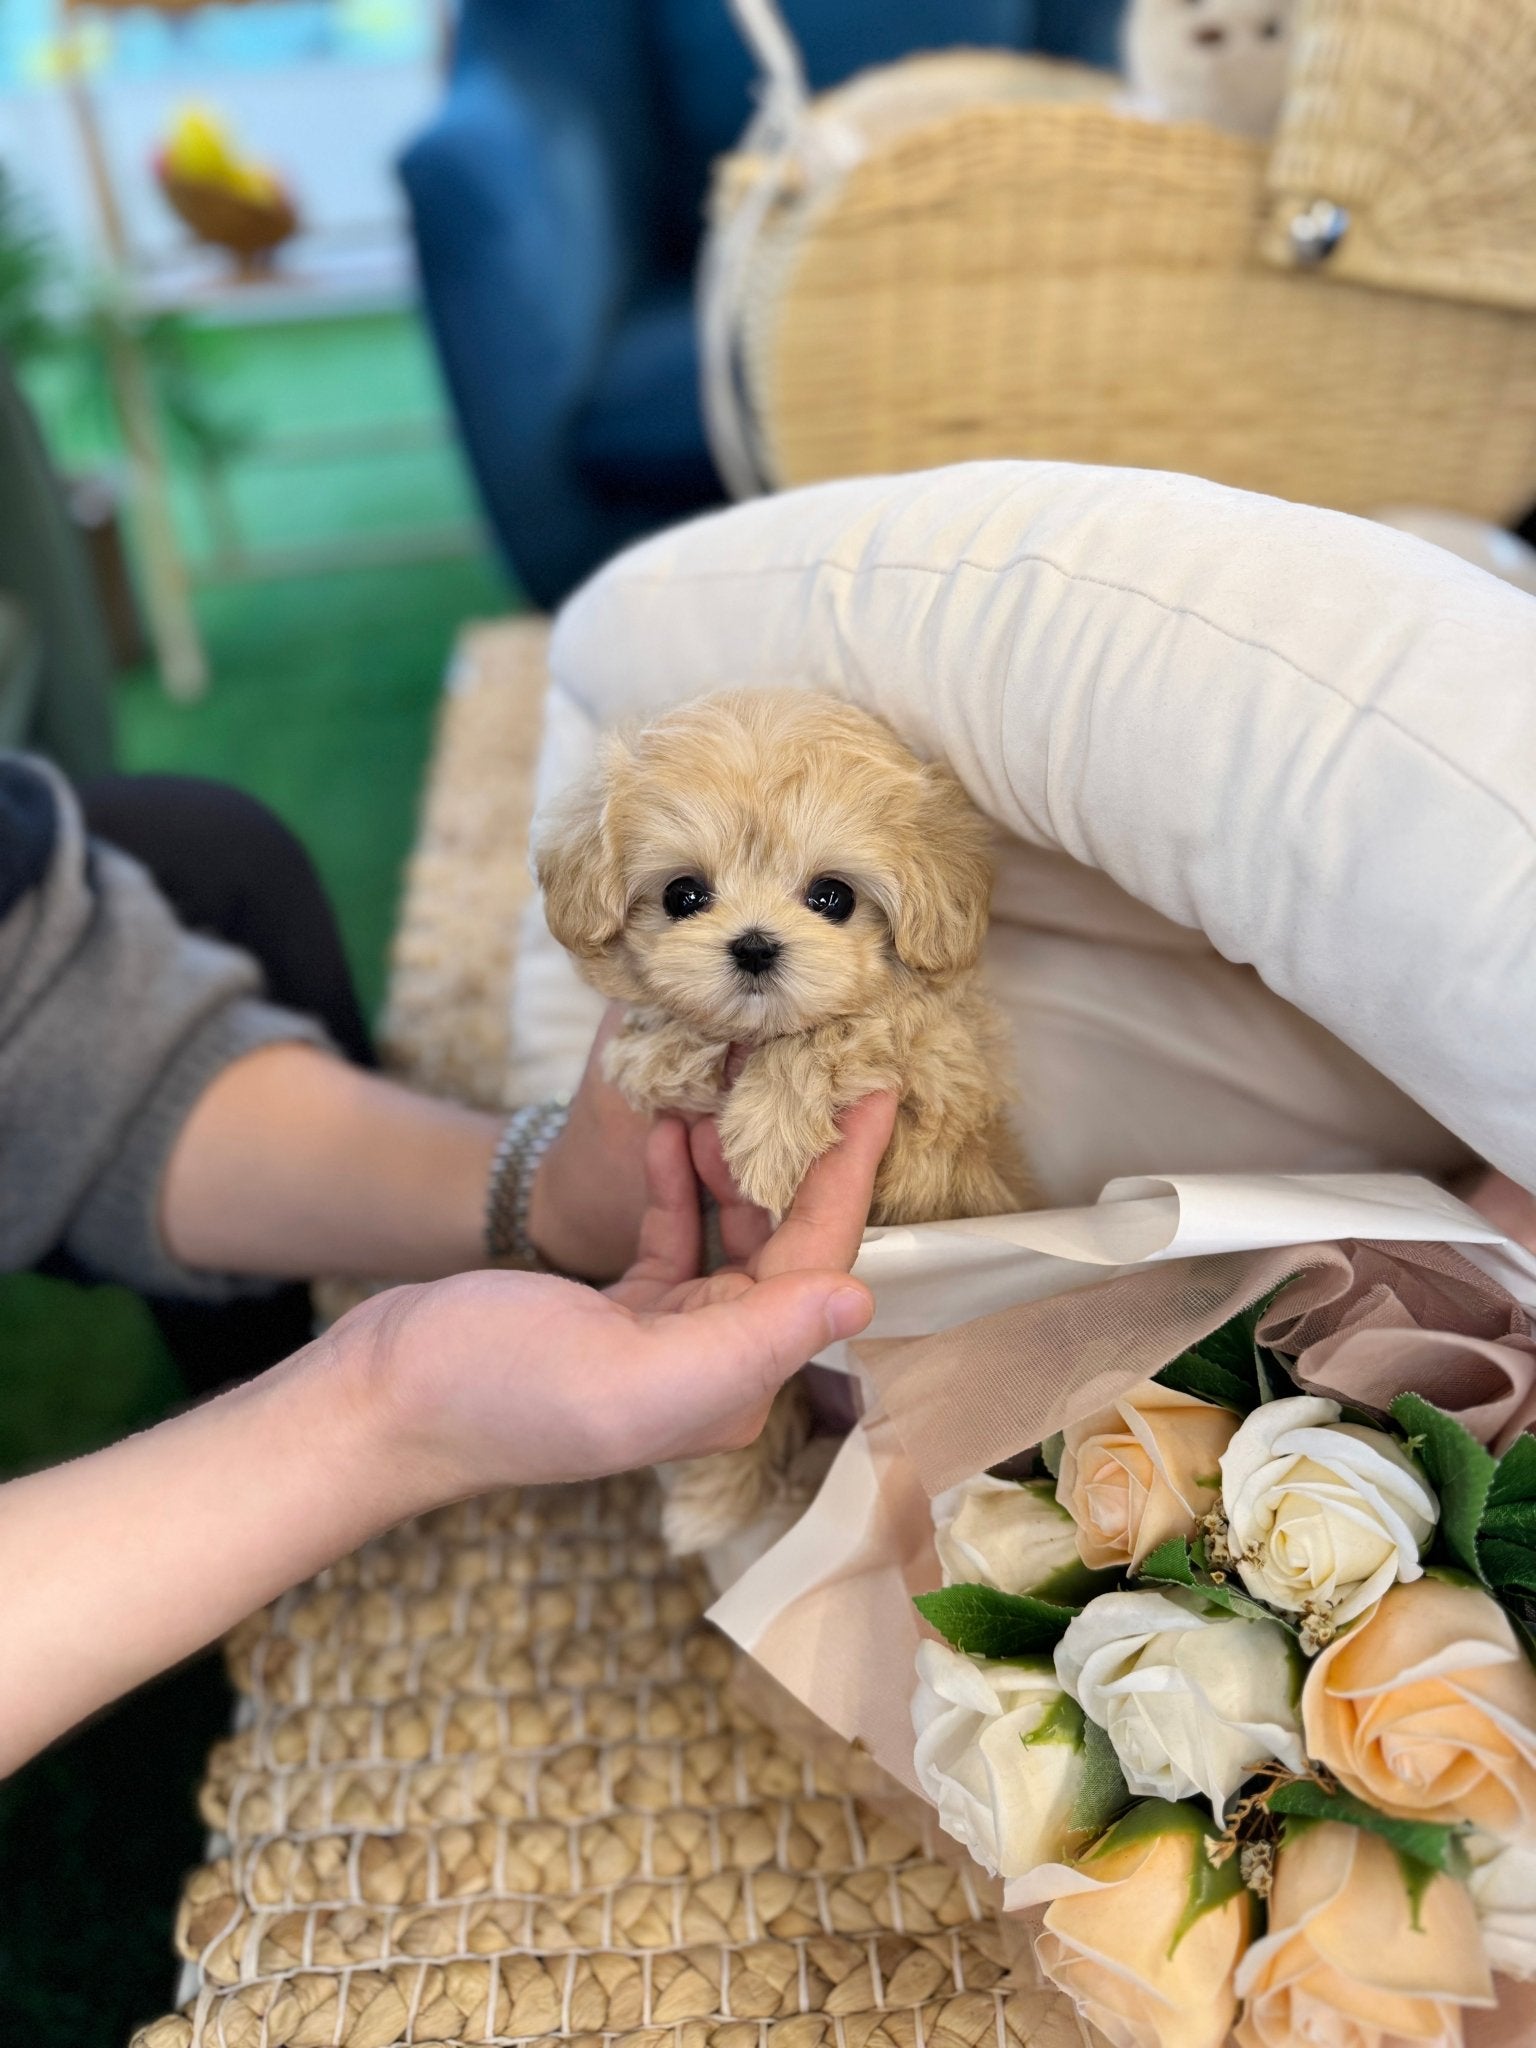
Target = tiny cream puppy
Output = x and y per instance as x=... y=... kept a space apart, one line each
x=772 y=870
x=771 y=873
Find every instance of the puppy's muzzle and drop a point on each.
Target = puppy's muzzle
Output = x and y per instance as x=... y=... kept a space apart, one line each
x=754 y=952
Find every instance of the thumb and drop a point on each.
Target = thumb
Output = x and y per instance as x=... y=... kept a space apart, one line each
x=741 y=1350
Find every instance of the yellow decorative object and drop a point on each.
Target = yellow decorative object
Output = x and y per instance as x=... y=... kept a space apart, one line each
x=1041 y=274
x=201 y=151
x=224 y=197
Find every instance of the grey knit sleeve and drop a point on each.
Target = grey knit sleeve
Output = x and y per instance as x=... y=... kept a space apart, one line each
x=113 y=1020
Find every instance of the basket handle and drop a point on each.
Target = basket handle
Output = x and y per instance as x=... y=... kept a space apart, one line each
x=783 y=93
x=775 y=136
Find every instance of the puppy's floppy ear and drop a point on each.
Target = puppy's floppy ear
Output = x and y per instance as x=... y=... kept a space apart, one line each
x=943 y=878
x=579 y=867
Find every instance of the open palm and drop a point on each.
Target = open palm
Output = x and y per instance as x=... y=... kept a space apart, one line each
x=521 y=1376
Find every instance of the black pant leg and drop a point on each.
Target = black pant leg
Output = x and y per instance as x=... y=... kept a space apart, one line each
x=228 y=866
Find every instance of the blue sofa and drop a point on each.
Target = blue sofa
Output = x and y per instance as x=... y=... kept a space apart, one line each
x=556 y=200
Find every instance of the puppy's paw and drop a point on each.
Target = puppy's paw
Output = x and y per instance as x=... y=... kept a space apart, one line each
x=711 y=1500
x=770 y=1148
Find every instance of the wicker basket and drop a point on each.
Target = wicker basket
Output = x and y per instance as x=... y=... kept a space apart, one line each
x=1038 y=273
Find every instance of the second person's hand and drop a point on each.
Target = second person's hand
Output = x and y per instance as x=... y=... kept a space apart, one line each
x=491 y=1379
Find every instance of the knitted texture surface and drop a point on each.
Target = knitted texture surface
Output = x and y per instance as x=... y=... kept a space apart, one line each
x=491 y=1781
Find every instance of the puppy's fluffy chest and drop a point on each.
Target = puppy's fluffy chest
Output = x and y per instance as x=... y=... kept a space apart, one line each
x=937 y=1050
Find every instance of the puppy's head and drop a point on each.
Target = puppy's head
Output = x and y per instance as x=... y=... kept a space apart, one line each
x=764 y=861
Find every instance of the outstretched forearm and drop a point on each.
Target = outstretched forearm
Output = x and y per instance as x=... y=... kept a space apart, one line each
x=292 y=1162
x=120 y=1564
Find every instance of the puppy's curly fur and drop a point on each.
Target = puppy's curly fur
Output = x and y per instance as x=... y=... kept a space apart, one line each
x=772 y=870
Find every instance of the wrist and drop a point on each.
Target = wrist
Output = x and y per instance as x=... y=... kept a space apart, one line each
x=366 y=1394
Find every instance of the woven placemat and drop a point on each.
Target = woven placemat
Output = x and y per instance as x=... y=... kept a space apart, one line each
x=491 y=1781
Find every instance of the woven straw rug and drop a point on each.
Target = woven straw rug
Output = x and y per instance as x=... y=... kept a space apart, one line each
x=490 y=1781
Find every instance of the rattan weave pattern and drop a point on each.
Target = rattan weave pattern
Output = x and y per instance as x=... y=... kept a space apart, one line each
x=490 y=1782
x=1419 y=117
x=1059 y=280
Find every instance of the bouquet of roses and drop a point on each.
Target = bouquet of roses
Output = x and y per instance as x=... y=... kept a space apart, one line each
x=1235 y=1680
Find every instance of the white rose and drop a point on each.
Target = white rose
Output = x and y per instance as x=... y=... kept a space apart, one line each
x=1503 y=1888
x=997 y=1532
x=1193 y=1701
x=999 y=1752
x=1322 y=1515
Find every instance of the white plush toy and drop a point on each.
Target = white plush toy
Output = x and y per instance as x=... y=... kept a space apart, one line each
x=1219 y=61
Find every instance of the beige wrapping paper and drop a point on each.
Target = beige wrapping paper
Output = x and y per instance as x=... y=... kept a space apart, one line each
x=827 y=1613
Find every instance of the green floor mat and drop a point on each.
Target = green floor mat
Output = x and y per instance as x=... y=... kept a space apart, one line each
x=322 y=704
x=79 y=1367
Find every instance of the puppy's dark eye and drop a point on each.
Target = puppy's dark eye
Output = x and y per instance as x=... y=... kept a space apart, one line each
x=831 y=899
x=685 y=896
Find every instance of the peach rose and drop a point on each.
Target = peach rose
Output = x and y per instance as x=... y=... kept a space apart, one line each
x=1346 y=1962
x=1141 y=1471
x=1427 y=1709
x=1115 y=1938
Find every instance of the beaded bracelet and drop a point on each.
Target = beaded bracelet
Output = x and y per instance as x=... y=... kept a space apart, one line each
x=528 y=1135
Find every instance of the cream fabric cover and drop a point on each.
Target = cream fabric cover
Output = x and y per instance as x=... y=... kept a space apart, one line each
x=1267 y=777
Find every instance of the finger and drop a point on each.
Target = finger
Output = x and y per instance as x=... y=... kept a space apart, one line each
x=613 y=1019
x=827 y=1217
x=671 y=1238
x=744 y=1228
x=716 y=1368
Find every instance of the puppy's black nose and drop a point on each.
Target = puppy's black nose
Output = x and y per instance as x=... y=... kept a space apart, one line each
x=754 y=952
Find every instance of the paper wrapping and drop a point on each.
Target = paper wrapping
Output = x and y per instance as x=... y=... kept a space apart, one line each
x=992 y=1334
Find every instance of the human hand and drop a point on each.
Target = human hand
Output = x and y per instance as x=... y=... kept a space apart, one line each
x=590 y=1191
x=498 y=1378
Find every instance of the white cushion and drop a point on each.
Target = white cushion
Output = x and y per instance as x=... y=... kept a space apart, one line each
x=1223 y=733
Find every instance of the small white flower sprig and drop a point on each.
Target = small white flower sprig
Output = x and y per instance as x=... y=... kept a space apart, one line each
x=1234 y=1628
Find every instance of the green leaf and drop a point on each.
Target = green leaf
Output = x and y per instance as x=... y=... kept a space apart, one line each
x=1101 y=1789
x=1174 y=1563
x=1520 y=1605
x=1513 y=1519
x=1275 y=1380
x=1508 y=1564
x=1170 y=1563
x=1189 y=1373
x=1506 y=1541
x=1062 y=1721
x=1420 y=1841
x=1417 y=1878
x=1229 y=1367
x=985 y=1623
x=1050 y=1454
x=1074 y=1585
x=1515 y=1479
x=1457 y=1467
x=1233 y=1345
